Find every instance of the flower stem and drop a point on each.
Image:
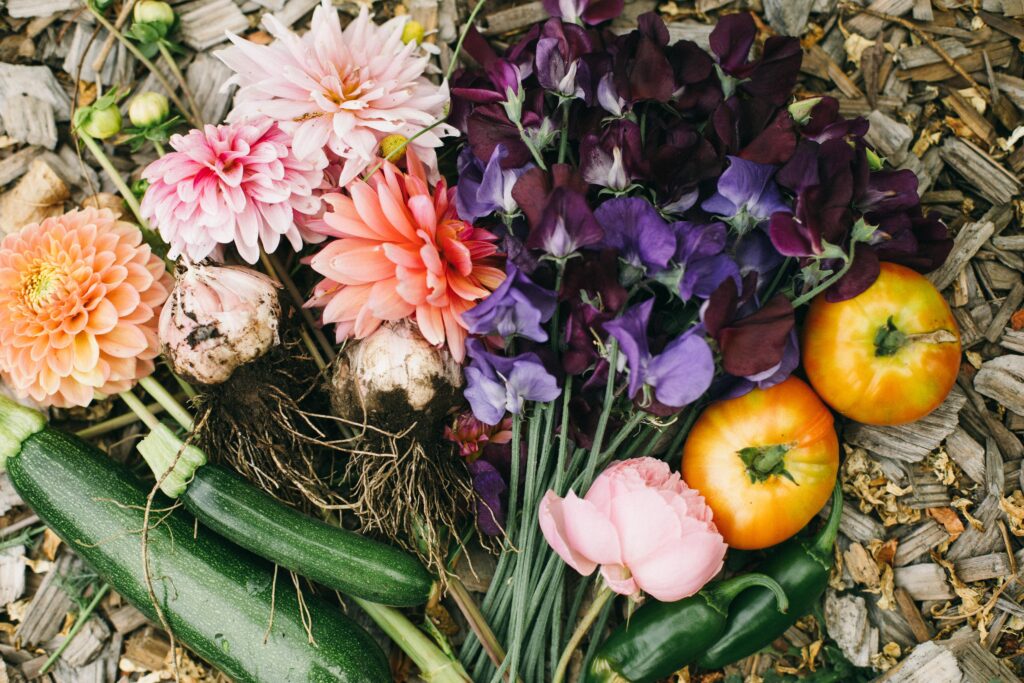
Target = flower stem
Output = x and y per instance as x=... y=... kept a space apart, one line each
x=276 y=270
x=827 y=282
x=159 y=148
x=530 y=146
x=602 y=423
x=83 y=617
x=131 y=47
x=476 y=620
x=170 y=404
x=139 y=408
x=563 y=143
x=581 y=630
x=462 y=38
x=122 y=187
x=173 y=66
x=113 y=423
x=434 y=665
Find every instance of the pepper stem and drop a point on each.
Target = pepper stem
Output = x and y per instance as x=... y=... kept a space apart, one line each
x=581 y=630
x=723 y=593
x=827 y=536
x=765 y=462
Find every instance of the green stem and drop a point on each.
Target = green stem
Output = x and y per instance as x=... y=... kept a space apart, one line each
x=139 y=408
x=530 y=146
x=159 y=148
x=563 y=143
x=173 y=66
x=722 y=594
x=827 y=538
x=170 y=404
x=602 y=423
x=563 y=438
x=581 y=630
x=827 y=282
x=476 y=620
x=83 y=617
x=131 y=47
x=122 y=187
x=462 y=38
x=434 y=665
x=113 y=423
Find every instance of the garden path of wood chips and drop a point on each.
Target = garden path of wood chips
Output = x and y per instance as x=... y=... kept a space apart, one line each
x=931 y=542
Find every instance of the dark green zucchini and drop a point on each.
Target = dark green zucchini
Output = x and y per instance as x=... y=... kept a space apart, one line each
x=216 y=597
x=234 y=508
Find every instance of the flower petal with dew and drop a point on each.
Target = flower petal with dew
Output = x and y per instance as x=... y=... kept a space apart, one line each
x=400 y=251
x=79 y=299
x=342 y=90
x=237 y=184
x=645 y=528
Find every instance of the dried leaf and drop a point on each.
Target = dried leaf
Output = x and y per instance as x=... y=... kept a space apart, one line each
x=962 y=504
x=948 y=518
x=51 y=542
x=1013 y=506
x=887 y=658
x=855 y=45
x=1017 y=320
x=863 y=479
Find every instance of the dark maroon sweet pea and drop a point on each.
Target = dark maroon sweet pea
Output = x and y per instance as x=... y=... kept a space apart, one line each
x=566 y=225
x=890 y=190
x=770 y=77
x=559 y=65
x=534 y=188
x=640 y=66
x=613 y=158
x=680 y=160
x=751 y=341
x=594 y=277
x=582 y=325
x=928 y=248
x=698 y=89
x=489 y=126
x=731 y=40
x=584 y=11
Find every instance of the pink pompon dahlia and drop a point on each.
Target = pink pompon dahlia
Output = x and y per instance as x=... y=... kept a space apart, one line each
x=79 y=298
x=339 y=90
x=402 y=252
x=231 y=184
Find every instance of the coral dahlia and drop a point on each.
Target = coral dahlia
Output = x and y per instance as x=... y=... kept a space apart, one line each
x=401 y=251
x=79 y=295
x=231 y=184
x=343 y=90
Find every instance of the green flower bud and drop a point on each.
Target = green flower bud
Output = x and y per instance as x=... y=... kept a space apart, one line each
x=148 y=109
x=102 y=123
x=801 y=109
x=413 y=32
x=153 y=12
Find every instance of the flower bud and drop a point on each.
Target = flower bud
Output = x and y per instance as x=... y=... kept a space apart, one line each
x=394 y=376
x=148 y=109
x=413 y=32
x=217 y=319
x=393 y=146
x=102 y=123
x=153 y=12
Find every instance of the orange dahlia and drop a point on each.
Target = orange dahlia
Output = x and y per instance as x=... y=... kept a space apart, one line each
x=402 y=252
x=79 y=296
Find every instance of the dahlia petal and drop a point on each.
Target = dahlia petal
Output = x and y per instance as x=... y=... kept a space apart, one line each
x=430 y=323
x=86 y=352
x=124 y=341
x=386 y=303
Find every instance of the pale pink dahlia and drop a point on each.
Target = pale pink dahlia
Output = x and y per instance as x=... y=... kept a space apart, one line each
x=79 y=298
x=401 y=251
x=231 y=184
x=340 y=90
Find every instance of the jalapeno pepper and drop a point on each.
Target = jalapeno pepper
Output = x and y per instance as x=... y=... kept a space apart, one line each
x=663 y=637
x=801 y=567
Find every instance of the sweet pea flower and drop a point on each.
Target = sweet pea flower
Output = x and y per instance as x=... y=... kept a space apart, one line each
x=496 y=384
x=643 y=525
x=632 y=226
x=486 y=188
x=519 y=306
x=584 y=11
x=746 y=189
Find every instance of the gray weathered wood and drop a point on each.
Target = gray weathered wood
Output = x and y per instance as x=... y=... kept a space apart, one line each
x=977 y=663
x=965 y=245
x=973 y=541
x=927 y=663
x=294 y=10
x=12 y=574
x=30 y=120
x=985 y=174
x=967 y=453
x=983 y=567
x=1010 y=304
x=846 y=619
x=911 y=442
x=205 y=23
x=913 y=56
x=514 y=18
x=870 y=26
x=86 y=645
x=206 y=77
x=926 y=581
x=1002 y=379
x=126 y=619
x=50 y=605
x=891 y=138
x=40 y=8
x=85 y=48
x=995 y=476
x=788 y=17
x=923 y=10
x=855 y=525
x=924 y=536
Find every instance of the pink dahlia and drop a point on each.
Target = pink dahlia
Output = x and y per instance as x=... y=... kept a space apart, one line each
x=231 y=184
x=402 y=252
x=79 y=295
x=338 y=90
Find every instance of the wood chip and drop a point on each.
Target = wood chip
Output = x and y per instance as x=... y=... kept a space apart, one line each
x=927 y=663
x=126 y=619
x=39 y=194
x=50 y=605
x=788 y=17
x=86 y=645
x=926 y=581
x=924 y=536
x=889 y=137
x=910 y=442
x=1002 y=379
x=912 y=615
x=980 y=170
x=965 y=245
x=869 y=26
x=514 y=18
x=205 y=23
x=983 y=567
x=846 y=619
x=974 y=541
x=12 y=574
x=40 y=8
x=977 y=663
x=294 y=10
x=967 y=453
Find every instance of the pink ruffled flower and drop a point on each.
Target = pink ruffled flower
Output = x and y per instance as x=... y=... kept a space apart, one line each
x=643 y=525
x=231 y=184
x=341 y=91
x=79 y=299
x=471 y=435
x=402 y=252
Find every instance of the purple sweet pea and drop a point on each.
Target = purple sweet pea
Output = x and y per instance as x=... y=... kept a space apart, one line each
x=746 y=187
x=679 y=375
x=566 y=225
x=519 y=306
x=484 y=189
x=560 y=68
x=613 y=158
x=490 y=487
x=496 y=385
x=642 y=237
x=700 y=255
x=584 y=11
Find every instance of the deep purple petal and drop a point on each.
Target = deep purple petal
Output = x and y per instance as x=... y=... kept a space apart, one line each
x=791 y=237
x=633 y=227
x=861 y=275
x=489 y=487
x=756 y=343
x=732 y=39
x=631 y=332
x=486 y=395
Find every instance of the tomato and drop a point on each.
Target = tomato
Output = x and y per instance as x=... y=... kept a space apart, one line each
x=765 y=462
x=887 y=356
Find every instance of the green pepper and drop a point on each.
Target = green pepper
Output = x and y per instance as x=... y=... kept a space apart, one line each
x=801 y=567
x=663 y=637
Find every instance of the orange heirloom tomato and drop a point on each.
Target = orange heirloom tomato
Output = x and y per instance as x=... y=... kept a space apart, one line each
x=887 y=356
x=765 y=462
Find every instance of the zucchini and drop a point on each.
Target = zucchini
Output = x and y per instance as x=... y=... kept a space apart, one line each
x=217 y=598
x=337 y=558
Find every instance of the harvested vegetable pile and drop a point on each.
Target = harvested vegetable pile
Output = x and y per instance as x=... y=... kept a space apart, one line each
x=576 y=341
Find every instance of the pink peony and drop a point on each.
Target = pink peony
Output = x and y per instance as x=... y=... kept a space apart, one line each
x=231 y=184
x=402 y=252
x=79 y=298
x=647 y=529
x=341 y=91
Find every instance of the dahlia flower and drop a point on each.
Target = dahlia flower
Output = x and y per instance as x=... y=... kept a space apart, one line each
x=402 y=251
x=231 y=184
x=343 y=90
x=79 y=295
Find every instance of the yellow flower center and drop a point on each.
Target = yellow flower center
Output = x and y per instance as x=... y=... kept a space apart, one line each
x=39 y=283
